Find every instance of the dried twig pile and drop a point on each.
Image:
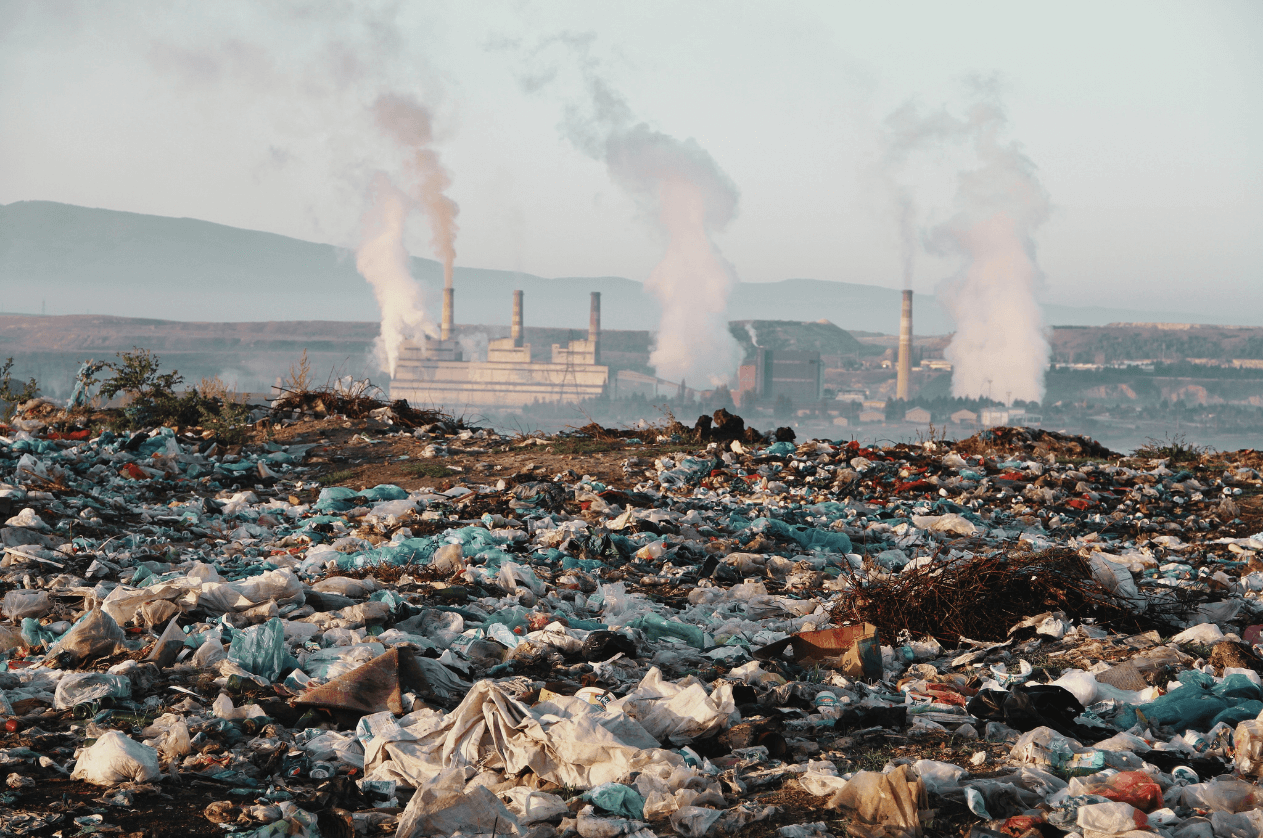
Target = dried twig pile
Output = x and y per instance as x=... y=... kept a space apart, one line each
x=982 y=597
x=1031 y=442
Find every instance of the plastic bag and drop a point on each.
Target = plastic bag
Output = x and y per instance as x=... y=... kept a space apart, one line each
x=260 y=650
x=892 y=802
x=169 y=645
x=670 y=712
x=532 y=806
x=617 y=799
x=211 y=651
x=95 y=636
x=35 y=635
x=657 y=628
x=82 y=687
x=169 y=736
x=20 y=604
x=115 y=758
x=939 y=777
x=1247 y=743
x=1135 y=788
x=442 y=807
x=1111 y=818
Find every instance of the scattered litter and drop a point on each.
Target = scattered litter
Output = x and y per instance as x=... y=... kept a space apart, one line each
x=1020 y=632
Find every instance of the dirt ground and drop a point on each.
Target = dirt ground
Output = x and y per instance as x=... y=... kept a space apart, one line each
x=359 y=456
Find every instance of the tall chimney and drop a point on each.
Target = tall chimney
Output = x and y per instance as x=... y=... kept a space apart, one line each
x=445 y=329
x=594 y=327
x=903 y=376
x=515 y=331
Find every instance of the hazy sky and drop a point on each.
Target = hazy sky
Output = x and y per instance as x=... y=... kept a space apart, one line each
x=1145 y=120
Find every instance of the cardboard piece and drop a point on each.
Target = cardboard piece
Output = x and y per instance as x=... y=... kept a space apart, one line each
x=855 y=651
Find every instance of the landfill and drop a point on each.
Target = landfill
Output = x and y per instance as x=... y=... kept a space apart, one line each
x=656 y=631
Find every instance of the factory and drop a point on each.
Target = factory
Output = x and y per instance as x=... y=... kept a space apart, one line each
x=434 y=372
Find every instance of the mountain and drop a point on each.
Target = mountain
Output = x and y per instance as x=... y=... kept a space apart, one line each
x=66 y=259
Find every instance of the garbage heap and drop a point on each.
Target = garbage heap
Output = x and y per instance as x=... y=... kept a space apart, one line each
x=1020 y=633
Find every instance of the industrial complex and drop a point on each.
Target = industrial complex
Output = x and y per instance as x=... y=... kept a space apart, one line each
x=434 y=372
x=438 y=371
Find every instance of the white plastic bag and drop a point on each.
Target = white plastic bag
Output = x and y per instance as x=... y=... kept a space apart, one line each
x=114 y=759
x=1113 y=818
x=82 y=687
x=169 y=736
x=20 y=604
x=533 y=806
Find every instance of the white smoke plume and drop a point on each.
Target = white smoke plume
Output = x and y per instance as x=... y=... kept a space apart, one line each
x=382 y=259
x=692 y=200
x=310 y=101
x=687 y=197
x=907 y=236
x=410 y=124
x=1000 y=348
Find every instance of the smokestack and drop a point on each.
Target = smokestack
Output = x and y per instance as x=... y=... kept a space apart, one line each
x=904 y=374
x=515 y=331
x=445 y=329
x=594 y=327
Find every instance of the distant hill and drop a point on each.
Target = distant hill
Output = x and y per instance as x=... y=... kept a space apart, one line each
x=822 y=336
x=74 y=260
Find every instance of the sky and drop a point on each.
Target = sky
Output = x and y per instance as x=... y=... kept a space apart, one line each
x=1144 y=121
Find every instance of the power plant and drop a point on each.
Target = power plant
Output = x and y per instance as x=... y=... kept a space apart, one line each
x=435 y=372
x=438 y=372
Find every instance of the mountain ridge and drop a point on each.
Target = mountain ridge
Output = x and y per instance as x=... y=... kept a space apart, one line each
x=102 y=261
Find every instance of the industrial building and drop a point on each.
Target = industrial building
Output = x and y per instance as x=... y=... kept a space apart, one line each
x=434 y=373
x=775 y=373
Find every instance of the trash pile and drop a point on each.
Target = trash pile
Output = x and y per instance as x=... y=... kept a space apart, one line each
x=1021 y=633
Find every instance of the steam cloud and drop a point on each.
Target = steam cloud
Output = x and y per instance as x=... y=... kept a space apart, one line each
x=693 y=200
x=409 y=123
x=689 y=200
x=1000 y=349
x=382 y=259
x=301 y=92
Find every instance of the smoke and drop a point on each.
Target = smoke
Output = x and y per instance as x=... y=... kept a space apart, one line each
x=1000 y=349
x=684 y=195
x=690 y=199
x=324 y=107
x=410 y=124
x=907 y=131
x=382 y=259
x=907 y=237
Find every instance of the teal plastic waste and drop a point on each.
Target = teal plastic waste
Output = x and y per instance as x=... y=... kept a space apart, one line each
x=335 y=499
x=473 y=540
x=780 y=449
x=35 y=635
x=260 y=650
x=384 y=491
x=391 y=598
x=825 y=541
x=407 y=551
x=1234 y=716
x=617 y=799
x=1200 y=702
x=658 y=628
x=830 y=509
x=514 y=617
